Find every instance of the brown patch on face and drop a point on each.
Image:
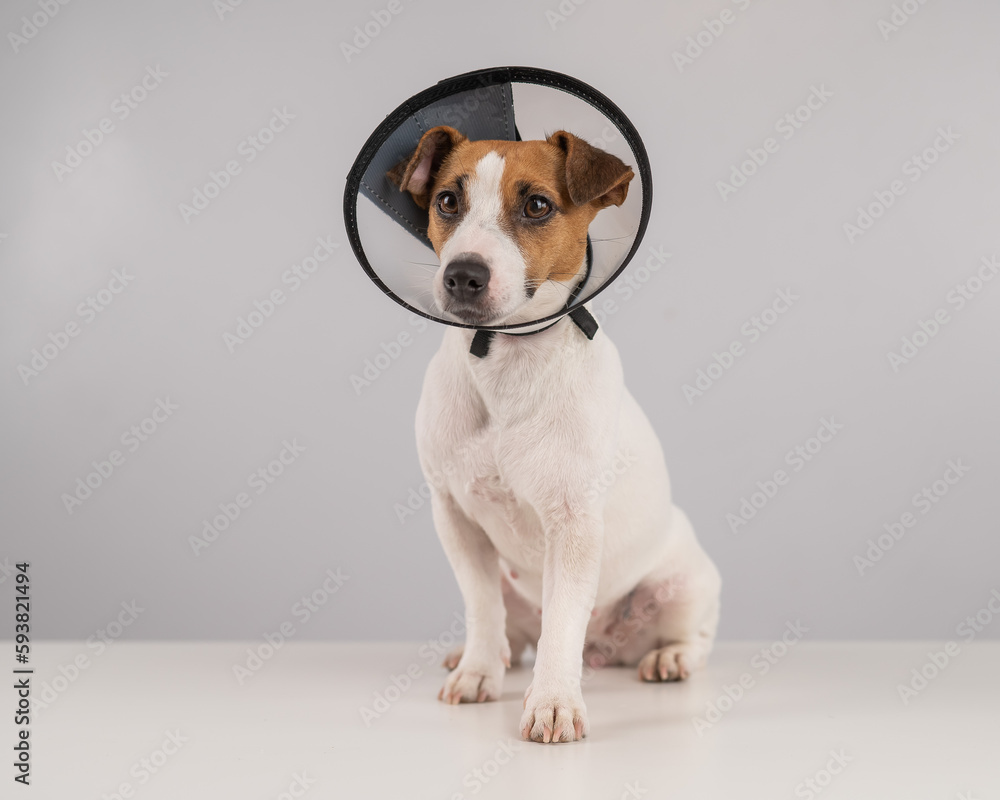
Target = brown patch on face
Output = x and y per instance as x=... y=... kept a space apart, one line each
x=575 y=179
x=554 y=246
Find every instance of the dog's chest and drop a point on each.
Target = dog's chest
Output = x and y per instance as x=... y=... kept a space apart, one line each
x=485 y=431
x=482 y=487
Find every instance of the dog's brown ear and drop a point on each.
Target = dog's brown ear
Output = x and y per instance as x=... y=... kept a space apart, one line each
x=415 y=174
x=592 y=175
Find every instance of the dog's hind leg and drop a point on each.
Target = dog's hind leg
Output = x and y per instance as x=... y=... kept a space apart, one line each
x=685 y=625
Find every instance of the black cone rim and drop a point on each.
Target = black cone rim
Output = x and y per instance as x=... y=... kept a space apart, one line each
x=472 y=80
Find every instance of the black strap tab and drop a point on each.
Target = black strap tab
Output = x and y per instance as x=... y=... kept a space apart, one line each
x=481 y=343
x=584 y=321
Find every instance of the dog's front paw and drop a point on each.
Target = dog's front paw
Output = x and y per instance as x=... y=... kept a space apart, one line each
x=468 y=683
x=553 y=716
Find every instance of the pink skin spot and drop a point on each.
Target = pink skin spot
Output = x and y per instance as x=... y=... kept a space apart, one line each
x=513 y=574
x=539 y=612
x=593 y=612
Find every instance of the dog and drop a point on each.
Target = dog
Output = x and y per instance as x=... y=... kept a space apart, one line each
x=518 y=446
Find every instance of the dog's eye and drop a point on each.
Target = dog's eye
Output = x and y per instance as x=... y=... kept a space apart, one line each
x=448 y=203
x=537 y=207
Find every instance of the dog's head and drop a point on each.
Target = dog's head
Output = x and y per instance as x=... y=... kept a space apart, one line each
x=508 y=220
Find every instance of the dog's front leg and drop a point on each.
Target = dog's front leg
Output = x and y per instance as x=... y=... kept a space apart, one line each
x=554 y=710
x=478 y=677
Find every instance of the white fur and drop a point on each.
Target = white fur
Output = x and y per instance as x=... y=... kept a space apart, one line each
x=518 y=448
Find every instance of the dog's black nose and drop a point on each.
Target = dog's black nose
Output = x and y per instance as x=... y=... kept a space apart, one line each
x=466 y=277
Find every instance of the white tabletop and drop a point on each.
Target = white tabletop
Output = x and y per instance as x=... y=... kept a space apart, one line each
x=827 y=712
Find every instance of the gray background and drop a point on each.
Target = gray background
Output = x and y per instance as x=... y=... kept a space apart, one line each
x=334 y=507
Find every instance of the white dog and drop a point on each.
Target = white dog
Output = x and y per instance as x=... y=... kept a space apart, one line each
x=518 y=445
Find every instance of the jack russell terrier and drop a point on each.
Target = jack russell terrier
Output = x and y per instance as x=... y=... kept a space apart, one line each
x=518 y=446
